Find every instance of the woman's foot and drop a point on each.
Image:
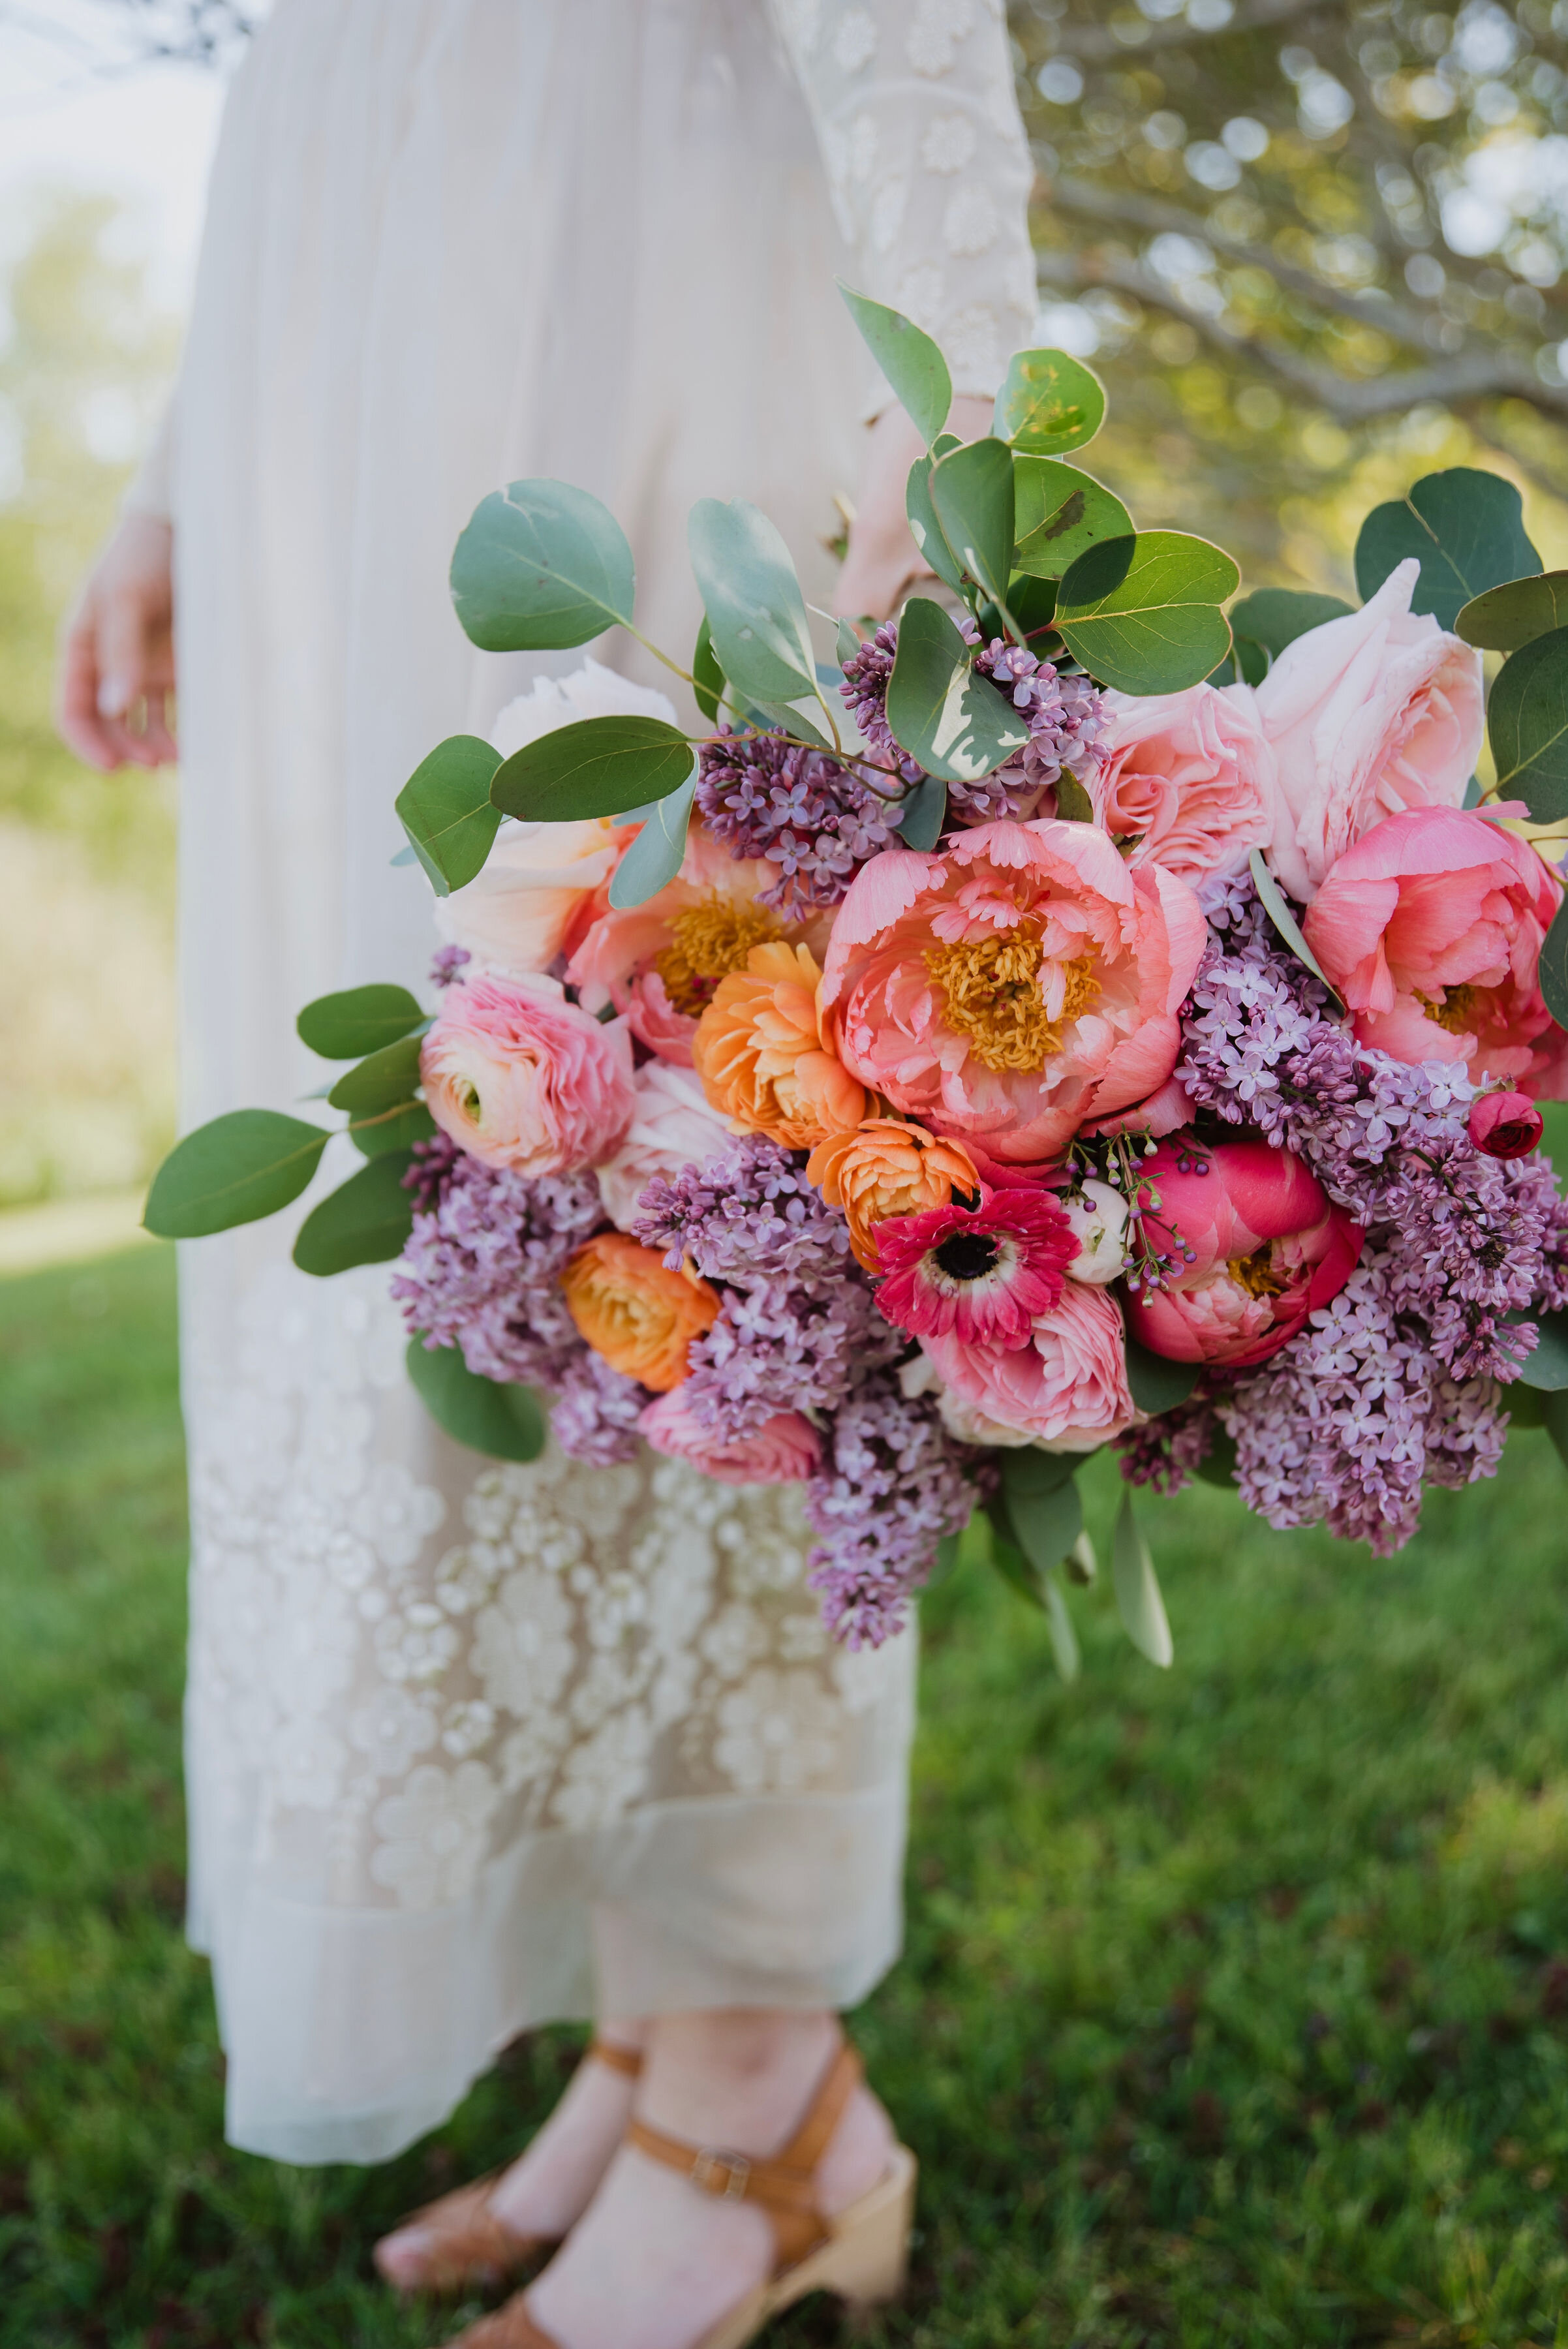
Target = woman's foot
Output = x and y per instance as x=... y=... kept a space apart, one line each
x=656 y=2262
x=481 y=2233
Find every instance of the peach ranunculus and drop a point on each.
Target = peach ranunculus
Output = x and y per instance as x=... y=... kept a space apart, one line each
x=1188 y=778
x=635 y=1310
x=886 y=1166
x=1014 y=985
x=761 y=1055
x=1431 y=927
x=522 y=1079
x=1369 y=714
x=784 y=1450
x=673 y=1127
x=1066 y=1390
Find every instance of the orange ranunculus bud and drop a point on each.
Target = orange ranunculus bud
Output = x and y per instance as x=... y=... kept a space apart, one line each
x=888 y=1166
x=634 y=1311
x=759 y=1052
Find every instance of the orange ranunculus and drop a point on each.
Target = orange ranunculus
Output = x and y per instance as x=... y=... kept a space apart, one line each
x=759 y=1052
x=634 y=1311
x=887 y=1167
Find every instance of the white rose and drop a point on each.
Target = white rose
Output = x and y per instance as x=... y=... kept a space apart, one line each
x=672 y=1127
x=1098 y=1214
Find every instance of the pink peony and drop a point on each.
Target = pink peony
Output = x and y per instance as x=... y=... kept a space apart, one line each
x=1256 y=1245
x=1066 y=1390
x=785 y=1450
x=1431 y=928
x=1375 y=712
x=672 y=1127
x=1506 y=1126
x=1188 y=779
x=984 y=1273
x=1014 y=986
x=522 y=1079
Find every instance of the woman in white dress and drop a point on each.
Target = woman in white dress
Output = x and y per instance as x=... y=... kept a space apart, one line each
x=473 y=1748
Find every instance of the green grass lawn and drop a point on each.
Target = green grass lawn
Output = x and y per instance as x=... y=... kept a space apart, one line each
x=1236 y=2003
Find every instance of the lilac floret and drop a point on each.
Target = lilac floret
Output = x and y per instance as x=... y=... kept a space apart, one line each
x=893 y=1481
x=796 y=808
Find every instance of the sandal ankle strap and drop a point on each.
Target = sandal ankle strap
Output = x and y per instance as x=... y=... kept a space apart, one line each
x=626 y=2060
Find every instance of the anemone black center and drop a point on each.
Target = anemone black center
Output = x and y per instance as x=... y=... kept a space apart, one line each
x=967 y=1256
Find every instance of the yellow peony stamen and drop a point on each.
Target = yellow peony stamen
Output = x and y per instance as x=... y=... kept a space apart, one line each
x=709 y=941
x=1256 y=1273
x=991 y=991
x=1454 y=1010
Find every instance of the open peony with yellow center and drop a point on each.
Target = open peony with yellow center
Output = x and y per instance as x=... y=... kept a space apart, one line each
x=1012 y=987
x=760 y=1053
x=634 y=1311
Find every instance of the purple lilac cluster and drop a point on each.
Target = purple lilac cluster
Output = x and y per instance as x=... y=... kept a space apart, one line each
x=893 y=1481
x=448 y=964
x=799 y=809
x=481 y=1271
x=1166 y=1453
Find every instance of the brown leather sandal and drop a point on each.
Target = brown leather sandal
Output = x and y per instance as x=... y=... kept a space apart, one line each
x=468 y=2241
x=862 y=2253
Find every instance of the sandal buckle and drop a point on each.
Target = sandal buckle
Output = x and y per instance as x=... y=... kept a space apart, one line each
x=724 y=2174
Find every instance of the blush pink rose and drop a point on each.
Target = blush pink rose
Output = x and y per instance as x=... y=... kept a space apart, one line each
x=1066 y=1390
x=1369 y=714
x=672 y=1127
x=522 y=1079
x=1188 y=778
x=1257 y=1246
x=1012 y=987
x=785 y=1450
x=1431 y=928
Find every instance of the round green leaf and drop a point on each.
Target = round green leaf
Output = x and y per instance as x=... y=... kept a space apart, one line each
x=381 y=1080
x=925 y=812
x=909 y=359
x=1273 y=617
x=955 y=724
x=1157 y=1383
x=1527 y=720
x=655 y=856
x=601 y=766
x=360 y=1019
x=707 y=678
x=1143 y=615
x=446 y=811
x=1547 y=1368
x=1466 y=528
x=1505 y=618
x=411 y=1122
x=366 y=1220
x=503 y=1422
x=1048 y=403
x=1060 y=515
x=757 y=613
x=1046 y=1524
x=972 y=490
x=541 y=565
x=924 y=527
x=234 y=1170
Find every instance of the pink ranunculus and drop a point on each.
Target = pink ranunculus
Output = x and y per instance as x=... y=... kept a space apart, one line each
x=672 y=1127
x=522 y=1079
x=1066 y=1390
x=1505 y=1126
x=1431 y=927
x=984 y=1272
x=785 y=1450
x=1015 y=985
x=1369 y=714
x=1255 y=1244
x=1188 y=778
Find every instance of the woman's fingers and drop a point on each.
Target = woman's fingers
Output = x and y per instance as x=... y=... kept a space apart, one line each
x=77 y=715
x=114 y=699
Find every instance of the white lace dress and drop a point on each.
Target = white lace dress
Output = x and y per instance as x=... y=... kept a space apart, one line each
x=472 y=1747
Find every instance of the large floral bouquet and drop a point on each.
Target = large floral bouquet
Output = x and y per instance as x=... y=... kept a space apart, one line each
x=1074 y=1018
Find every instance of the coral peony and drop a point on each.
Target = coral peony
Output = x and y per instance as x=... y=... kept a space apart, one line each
x=1431 y=928
x=1014 y=985
x=1188 y=780
x=1505 y=1126
x=635 y=1310
x=524 y=1079
x=886 y=1167
x=762 y=1058
x=1255 y=1247
x=1067 y=1388
x=783 y=1451
x=1375 y=712
x=672 y=1127
x=985 y=1272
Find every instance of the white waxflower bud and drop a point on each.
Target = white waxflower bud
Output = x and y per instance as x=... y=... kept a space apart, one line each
x=1098 y=1214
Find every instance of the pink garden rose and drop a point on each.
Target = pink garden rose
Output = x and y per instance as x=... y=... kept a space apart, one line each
x=671 y=1127
x=1431 y=928
x=1066 y=1390
x=1189 y=777
x=1375 y=712
x=1015 y=985
x=1256 y=1244
x=1505 y=1126
x=522 y=1078
x=783 y=1451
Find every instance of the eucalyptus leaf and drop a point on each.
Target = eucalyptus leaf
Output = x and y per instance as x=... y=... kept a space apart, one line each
x=848 y=644
x=1554 y=966
x=360 y=1019
x=926 y=530
x=1027 y=1470
x=1064 y=1638
x=378 y=1135
x=600 y=766
x=1080 y=1565
x=1157 y=1384
x=1547 y=1367
x=971 y=490
x=1273 y=617
x=232 y=1171
x=366 y=1220
x=1032 y=603
x=1218 y=1465
x=1465 y=528
x=1277 y=910
x=1059 y=513
x=1048 y=403
x=952 y=722
x=1508 y=617
x=1074 y=804
x=1045 y=1524
x=757 y=613
x=925 y=810
x=541 y=566
x=1008 y=1556
x=1527 y=721
x=655 y=856
x=382 y=1079
x=446 y=811
x=1138 y=1601
x=787 y=720
x=1144 y=614
x=911 y=362
x=707 y=678
x=503 y=1422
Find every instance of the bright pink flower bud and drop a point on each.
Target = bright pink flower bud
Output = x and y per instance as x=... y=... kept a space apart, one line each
x=1505 y=1126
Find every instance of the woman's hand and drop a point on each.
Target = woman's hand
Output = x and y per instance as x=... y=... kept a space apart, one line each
x=115 y=686
x=882 y=558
